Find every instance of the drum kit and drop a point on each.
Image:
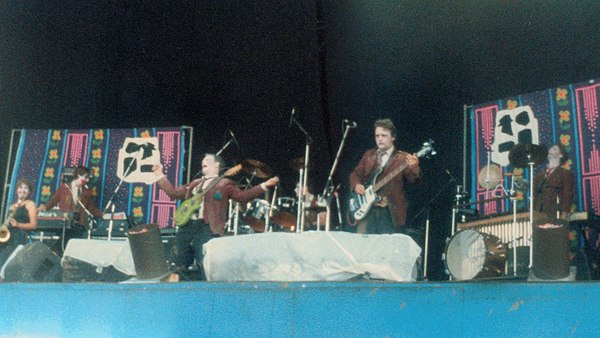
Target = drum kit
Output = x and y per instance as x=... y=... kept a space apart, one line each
x=473 y=254
x=261 y=215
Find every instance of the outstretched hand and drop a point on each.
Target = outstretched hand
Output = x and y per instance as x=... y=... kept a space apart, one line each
x=271 y=182
x=157 y=169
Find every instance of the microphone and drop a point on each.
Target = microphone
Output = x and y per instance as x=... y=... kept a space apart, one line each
x=351 y=124
x=233 y=138
x=292 y=116
x=451 y=176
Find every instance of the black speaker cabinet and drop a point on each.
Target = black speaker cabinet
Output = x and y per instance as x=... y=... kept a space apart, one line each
x=147 y=251
x=78 y=271
x=35 y=262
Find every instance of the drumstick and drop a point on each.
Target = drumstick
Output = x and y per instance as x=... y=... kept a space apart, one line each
x=273 y=201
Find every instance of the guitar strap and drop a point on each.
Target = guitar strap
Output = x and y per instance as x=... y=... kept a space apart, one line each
x=390 y=160
x=199 y=189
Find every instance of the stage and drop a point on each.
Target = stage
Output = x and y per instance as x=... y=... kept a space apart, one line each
x=341 y=309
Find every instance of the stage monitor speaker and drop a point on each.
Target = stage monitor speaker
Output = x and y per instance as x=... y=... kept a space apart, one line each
x=34 y=262
x=78 y=271
x=147 y=251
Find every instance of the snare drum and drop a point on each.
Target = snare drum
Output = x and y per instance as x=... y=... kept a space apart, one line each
x=256 y=213
x=471 y=254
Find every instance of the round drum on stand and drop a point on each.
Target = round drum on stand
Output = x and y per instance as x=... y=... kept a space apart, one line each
x=147 y=251
x=472 y=254
x=550 y=248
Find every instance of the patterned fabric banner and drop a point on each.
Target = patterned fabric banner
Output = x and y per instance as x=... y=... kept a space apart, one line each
x=567 y=115
x=43 y=154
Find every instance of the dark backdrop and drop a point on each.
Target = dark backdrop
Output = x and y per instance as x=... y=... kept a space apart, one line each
x=240 y=65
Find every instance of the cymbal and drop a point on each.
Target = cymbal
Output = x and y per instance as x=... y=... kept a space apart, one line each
x=522 y=154
x=489 y=176
x=298 y=163
x=256 y=168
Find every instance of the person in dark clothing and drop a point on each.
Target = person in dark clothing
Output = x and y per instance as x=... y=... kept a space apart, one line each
x=21 y=219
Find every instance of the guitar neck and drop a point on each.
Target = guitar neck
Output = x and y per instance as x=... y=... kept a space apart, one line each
x=210 y=186
x=379 y=184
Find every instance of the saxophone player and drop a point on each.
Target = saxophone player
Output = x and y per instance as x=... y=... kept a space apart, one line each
x=22 y=218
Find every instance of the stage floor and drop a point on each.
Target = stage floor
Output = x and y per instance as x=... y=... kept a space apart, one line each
x=314 y=309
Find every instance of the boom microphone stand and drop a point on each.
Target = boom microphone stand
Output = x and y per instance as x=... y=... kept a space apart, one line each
x=231 y=140
x=91 y=220
x=427 y=210
x=303 y=175
x=328 y=190
x=125 y=174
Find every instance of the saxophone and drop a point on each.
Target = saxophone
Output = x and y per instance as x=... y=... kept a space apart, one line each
x=4 y=231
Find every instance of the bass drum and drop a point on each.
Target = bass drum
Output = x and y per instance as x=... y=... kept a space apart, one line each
x=471 y=254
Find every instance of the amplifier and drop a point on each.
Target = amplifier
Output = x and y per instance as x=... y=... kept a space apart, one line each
x=119 y=228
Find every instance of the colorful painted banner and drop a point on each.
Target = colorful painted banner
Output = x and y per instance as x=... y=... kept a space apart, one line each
x=567 y=115
x=43 y=154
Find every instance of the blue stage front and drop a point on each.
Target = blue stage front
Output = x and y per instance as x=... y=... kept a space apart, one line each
x=319 y=309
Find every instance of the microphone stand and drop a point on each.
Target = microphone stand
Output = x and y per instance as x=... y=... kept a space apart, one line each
x=338 y=205
x=218 y=154
x=427 y=210
x=112 y=197
x=303 y=178
x=91 y=220
x=225 y=146
x=118 y=186
x=531 y=205
x=328 y=190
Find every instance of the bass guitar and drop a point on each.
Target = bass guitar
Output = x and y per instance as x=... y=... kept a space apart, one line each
x=192 y=204
x=359 y=205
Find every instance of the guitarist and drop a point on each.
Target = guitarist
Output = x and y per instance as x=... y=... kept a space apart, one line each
x=209 y=221
x=389 y=215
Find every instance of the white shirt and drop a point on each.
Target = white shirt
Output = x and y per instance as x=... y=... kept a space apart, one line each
x=386 y=156
x=197 y=189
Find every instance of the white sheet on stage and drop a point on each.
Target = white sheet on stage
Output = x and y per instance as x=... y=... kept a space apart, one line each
x=311 y=256
x=102 y=254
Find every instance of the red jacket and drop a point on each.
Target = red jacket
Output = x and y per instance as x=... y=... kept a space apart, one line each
x=64 y=199
x=394 y=189
x=216 y=200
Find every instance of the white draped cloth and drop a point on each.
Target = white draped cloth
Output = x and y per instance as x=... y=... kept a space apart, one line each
x=102 y=254
x=311 y=256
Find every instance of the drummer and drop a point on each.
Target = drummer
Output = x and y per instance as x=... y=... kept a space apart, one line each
x=315 y=214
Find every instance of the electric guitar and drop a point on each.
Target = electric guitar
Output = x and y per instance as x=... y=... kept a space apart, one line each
x=192 y=204
x=360 y=205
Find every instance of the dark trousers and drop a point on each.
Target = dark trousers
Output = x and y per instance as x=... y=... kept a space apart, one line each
x=378 y=221
x=188 y=243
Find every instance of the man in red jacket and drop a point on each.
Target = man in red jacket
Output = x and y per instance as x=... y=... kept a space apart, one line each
x=554 y=185
x=209 y=221
x=73 y=195
x=388 y=215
